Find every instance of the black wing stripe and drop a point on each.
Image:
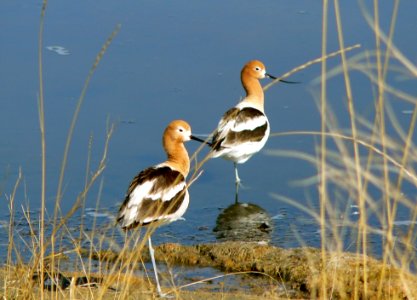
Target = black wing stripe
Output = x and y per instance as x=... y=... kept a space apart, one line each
x=164 y=178
x=236 y=137
x=152 y=209
x=245 y=136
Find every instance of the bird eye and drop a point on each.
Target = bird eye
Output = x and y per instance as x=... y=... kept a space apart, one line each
x=181 y=130
x=257 y=68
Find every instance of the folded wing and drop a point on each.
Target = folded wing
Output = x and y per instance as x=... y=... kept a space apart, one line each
x=156 y=194
x=240 y=128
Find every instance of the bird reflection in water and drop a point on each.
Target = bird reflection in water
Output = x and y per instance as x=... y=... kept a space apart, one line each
x=243 y=222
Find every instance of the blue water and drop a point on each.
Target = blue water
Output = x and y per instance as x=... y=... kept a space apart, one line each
x=179 y=60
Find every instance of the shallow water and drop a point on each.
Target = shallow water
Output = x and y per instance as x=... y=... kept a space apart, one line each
x=174 y=60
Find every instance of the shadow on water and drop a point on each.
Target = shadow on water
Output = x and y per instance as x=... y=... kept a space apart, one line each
x=243 y=222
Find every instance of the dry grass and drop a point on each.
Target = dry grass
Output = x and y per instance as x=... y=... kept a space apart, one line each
x=364 y=163
x=299 y=271
x=361 y=162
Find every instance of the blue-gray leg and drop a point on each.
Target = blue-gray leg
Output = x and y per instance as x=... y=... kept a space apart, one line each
x=151 y=252
x=237 y=184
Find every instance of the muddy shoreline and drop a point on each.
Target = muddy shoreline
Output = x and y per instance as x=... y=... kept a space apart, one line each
x=299 y=270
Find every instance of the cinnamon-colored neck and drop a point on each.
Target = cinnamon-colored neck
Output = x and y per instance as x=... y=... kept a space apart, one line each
x=254 y=91
x=178 y=157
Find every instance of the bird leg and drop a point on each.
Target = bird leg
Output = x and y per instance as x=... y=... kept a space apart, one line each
x=237 y=174
x=237 y=184
x=151 y=252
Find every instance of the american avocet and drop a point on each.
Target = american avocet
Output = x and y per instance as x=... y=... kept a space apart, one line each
x=159 y=194
x=244 y=129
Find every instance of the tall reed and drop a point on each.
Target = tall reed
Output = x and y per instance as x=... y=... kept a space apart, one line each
x=367 y=162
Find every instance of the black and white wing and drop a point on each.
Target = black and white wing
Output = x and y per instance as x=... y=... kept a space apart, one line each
x=156 y=194
x=245 y=127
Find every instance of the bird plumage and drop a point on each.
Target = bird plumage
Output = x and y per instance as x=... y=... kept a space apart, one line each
x=244 y=129
x=159 y=193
